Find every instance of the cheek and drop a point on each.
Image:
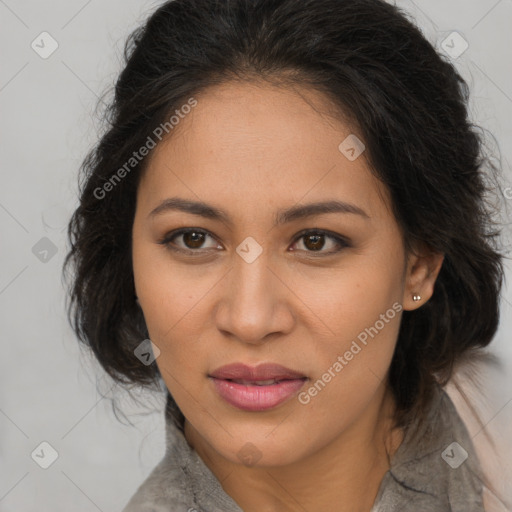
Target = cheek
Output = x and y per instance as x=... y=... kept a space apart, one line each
x=173 y=299
x=350 y=371
x=362 y=345
x=362 y=308
x=353 y=297
x=165 y=291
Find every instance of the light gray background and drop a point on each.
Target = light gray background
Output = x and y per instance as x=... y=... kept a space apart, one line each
x=48 y=387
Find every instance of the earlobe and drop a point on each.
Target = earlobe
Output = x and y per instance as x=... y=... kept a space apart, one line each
x=422 y=272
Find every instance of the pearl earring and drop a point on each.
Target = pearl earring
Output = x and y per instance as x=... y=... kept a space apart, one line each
x=416 y=297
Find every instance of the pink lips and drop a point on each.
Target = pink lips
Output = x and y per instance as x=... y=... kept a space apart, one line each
x=237 y=384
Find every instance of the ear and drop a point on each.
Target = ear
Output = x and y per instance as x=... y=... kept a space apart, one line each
x=423 y=266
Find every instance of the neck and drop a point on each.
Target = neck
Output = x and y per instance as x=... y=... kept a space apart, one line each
x=344 y=475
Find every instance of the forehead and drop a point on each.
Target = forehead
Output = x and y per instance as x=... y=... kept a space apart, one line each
x=252 y=142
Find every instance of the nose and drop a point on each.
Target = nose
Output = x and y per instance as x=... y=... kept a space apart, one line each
x=255 y=302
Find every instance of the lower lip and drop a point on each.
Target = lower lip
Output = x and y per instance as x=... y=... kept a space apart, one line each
x=257 y=398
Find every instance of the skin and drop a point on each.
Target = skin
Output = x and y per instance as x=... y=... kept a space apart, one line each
x=253 y=149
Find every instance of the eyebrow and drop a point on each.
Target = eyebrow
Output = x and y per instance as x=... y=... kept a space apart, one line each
x=282 y=217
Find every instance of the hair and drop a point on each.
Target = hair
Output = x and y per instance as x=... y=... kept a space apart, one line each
x=409 y=105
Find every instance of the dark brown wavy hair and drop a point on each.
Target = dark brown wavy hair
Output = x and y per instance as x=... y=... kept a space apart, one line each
x=408 y=102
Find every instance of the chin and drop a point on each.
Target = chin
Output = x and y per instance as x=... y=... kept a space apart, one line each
x=263 y=449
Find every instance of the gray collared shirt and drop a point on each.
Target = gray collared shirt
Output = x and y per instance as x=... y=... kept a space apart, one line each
x=438 y=471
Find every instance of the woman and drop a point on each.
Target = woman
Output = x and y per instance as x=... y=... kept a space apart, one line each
x=285 y=223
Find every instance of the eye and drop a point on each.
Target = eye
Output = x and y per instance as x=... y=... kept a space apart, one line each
x=192 y=238
x=314 y=241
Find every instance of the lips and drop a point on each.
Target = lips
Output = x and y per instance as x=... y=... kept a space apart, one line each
x=256 y=388
x=255 y=375
x=256 y=382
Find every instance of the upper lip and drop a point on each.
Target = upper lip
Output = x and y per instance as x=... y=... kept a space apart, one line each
x=265 y=371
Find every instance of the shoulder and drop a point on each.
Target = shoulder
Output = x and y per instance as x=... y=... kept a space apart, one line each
x=436 y=468
x=462 y=459
x=481 y=390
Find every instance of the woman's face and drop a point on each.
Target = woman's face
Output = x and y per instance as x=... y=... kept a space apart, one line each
x=248 y=290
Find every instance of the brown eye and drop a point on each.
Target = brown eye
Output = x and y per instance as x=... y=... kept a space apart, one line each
x=193 y=239
x=316 y=240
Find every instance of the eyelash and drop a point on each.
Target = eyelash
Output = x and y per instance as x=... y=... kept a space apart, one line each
x=341 y=241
